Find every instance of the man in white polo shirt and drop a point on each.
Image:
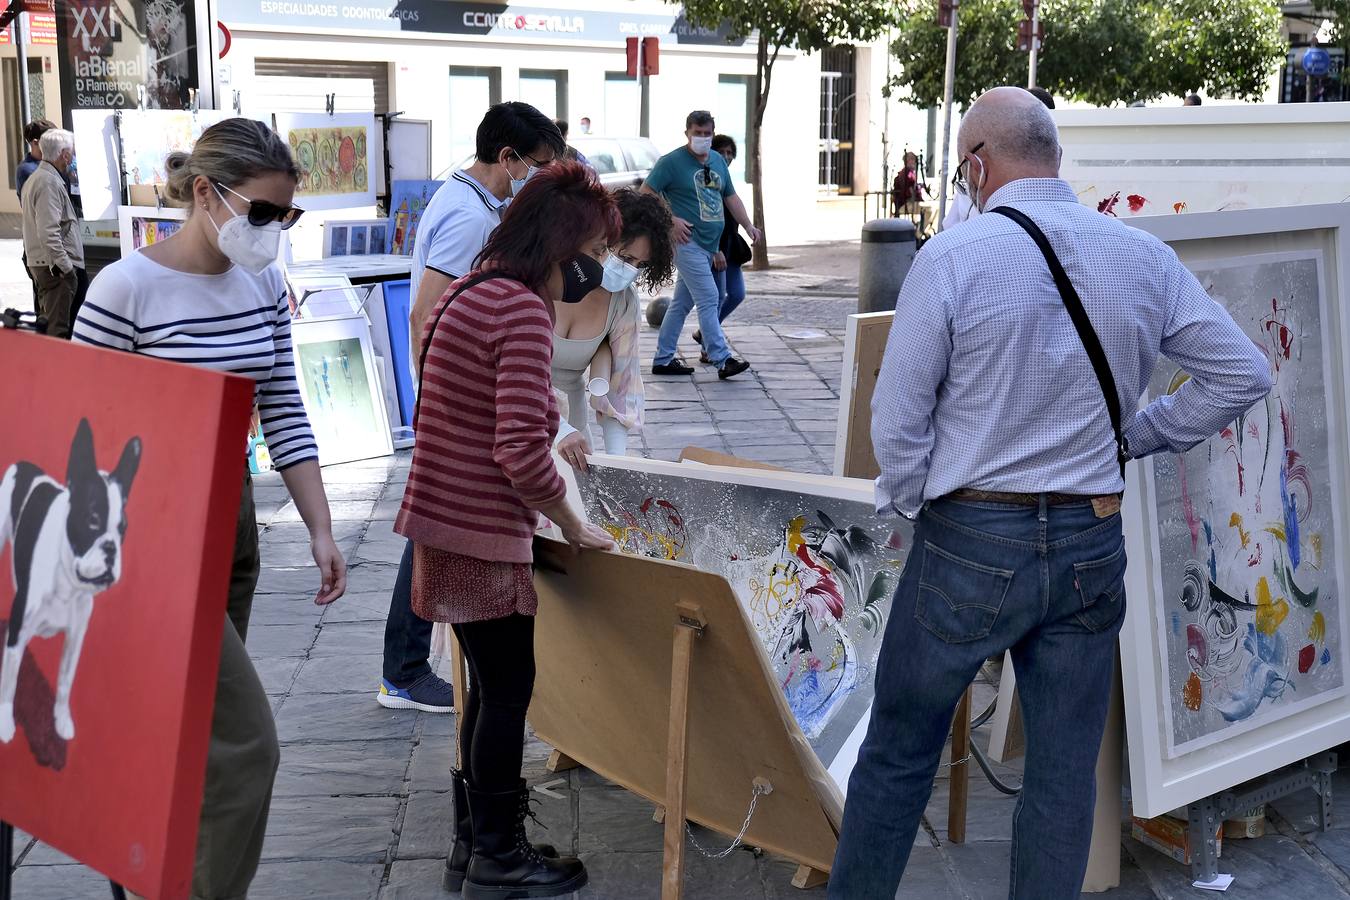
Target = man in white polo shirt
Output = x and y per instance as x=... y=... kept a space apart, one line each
x=514 y=140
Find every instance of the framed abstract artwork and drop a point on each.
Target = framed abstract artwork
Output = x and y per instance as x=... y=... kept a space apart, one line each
x=1234 y=651
x=141 y=226
x=110 y=506
x=336 y=157
x=354 y=237
x=339 y=382
x=813 y=565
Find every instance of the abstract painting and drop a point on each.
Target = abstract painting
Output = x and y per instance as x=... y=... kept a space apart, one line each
x=356 y=237
x=148 y=136
x=335 y=157
x=407 y=203
x=813 y=565
x=1252 y=625
x=105 y=689
x=141 y=226
x=336 y=369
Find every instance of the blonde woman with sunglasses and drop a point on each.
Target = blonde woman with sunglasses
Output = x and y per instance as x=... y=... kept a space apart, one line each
x=211 y=295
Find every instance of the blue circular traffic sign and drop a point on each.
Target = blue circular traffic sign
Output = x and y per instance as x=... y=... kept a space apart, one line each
x=1316 y=62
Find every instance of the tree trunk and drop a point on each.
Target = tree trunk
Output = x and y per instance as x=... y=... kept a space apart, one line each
x=763 y=73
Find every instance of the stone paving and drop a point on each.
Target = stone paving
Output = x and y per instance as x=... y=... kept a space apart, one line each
x=362 y=807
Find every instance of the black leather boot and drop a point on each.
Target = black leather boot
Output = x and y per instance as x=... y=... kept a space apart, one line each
x=505 y=865
x=461 y=842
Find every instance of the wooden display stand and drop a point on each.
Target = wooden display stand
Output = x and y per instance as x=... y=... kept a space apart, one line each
x=652 y=677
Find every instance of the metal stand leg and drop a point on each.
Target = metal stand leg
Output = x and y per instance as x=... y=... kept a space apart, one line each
x=6 y=860
x=1204 y=818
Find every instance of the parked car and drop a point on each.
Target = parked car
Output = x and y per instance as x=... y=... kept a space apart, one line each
x=620 y=162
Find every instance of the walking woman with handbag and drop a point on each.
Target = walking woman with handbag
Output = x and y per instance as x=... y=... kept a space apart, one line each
x=211 y=295
x=482 y=473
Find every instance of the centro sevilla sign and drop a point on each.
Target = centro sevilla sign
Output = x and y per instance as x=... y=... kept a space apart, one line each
x=521 y=22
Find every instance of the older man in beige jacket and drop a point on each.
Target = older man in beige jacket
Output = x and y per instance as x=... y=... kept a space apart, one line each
x=51 y=233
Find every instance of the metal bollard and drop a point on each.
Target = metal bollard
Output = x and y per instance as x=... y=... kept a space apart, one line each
x=888 y=248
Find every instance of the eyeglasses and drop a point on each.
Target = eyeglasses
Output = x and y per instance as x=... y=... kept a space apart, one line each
x=960 y=180
x=264 y=212
x=529 y=160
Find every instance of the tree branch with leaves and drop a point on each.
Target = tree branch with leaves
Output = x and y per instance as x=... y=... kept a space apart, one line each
x=806 y=25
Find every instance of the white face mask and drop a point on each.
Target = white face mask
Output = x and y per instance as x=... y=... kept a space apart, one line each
x=248 y=246
x=976 y=203
x=618 y=274
x=517 y=184
x=700 y=144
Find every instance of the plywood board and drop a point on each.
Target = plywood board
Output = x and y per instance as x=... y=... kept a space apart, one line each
x=864 y=347
x=713 y=458
x=602 y=696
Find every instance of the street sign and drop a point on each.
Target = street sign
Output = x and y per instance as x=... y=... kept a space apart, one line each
x=644 y=57
x=1024 y=35
x=1317 y=62
x=945 y=9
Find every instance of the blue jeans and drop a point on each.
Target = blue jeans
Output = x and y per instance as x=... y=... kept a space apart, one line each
x=696 y=287
x=407 y=636
x=1047 y=583
x=731 y=285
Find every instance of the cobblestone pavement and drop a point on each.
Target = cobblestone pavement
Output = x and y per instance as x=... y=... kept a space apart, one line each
x=362 y=807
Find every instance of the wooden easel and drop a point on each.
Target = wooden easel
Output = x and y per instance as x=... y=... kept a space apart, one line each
x=689 y=624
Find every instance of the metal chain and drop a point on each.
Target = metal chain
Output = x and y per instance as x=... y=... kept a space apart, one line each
x=759 y=791
x=956 y=762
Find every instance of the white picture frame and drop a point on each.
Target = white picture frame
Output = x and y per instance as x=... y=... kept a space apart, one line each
x=98 y=162
x=1166 y=773
x=325 y=295
x=354 y=237
x=136 y=225
x=343 y=396
x=336 y=155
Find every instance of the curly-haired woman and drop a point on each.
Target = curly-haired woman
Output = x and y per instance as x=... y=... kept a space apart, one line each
x=601 y=332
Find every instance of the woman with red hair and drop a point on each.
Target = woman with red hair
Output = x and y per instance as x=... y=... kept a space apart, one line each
x=482 y=472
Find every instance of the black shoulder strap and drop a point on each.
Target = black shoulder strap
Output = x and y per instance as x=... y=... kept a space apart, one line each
x=1081 y=323
x=471 y=281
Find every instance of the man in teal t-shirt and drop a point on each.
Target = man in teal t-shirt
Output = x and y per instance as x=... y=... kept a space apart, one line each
x=696 y=183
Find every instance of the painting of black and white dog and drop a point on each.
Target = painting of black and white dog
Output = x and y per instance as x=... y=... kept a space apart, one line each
x=67 y=548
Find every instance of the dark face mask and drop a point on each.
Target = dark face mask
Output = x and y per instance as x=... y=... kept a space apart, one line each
x=581 y=275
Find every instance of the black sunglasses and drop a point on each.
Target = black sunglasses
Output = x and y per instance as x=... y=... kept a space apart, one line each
x=264 y=212
x=960 y=179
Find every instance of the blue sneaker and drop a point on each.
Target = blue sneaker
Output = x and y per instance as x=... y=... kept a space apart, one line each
x=429 y=694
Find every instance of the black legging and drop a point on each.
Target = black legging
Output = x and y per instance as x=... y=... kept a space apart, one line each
x=500 y=656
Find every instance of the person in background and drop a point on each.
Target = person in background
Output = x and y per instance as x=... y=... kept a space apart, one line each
x=482 y=473
x=1191 y=100
x=514 y=141
x=28 y=165
x=697 y=183
x=52 y=244
x=992 y=429
x=732 y=253
x=908 y=194
x=211 y=295
x=961 y=209
x=585 y=124
x=571 y=152
x=600 y=334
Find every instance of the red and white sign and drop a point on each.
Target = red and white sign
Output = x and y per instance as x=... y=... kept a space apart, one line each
x=40 y=28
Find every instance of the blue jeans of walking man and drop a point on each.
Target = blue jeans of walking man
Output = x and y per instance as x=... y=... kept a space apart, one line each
x=1047 y=583
x=696 y=287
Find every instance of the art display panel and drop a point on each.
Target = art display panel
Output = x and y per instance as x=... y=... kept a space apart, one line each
x=1233 y=651
x=115 y=550
x=335 y=365
x=335 y=155
x=812 y=564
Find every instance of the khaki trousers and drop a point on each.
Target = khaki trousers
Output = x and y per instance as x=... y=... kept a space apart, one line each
x=241 y=763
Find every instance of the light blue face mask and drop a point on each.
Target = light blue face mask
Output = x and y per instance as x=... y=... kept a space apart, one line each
x=618 y=274
x=517 y=184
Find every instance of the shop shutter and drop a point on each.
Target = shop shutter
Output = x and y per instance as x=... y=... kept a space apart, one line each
x=301 y=86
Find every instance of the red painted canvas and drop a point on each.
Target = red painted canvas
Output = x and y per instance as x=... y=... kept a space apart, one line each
x=120 y=479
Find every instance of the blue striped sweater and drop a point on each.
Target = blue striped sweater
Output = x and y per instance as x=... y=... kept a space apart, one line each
x=233 y=322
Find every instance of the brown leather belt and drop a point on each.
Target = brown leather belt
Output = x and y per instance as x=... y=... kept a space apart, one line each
x=1022 y=499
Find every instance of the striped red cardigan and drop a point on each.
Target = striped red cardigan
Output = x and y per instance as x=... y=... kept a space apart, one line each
x=483 y=463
